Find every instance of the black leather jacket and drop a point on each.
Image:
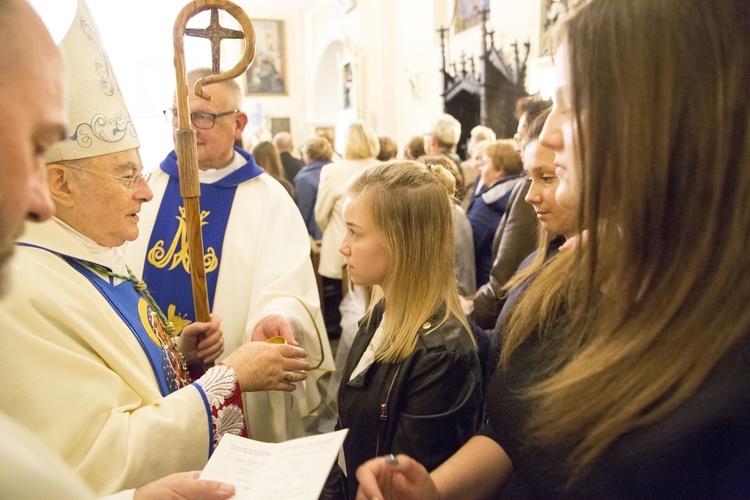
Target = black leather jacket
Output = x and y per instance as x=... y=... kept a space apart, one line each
x=426 y=406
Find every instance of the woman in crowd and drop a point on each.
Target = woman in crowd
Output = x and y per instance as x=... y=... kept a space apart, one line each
x=412 y=381
x=267 y=157
x=361 y=148
x=316 y=152
x=624 y=371
x=501 y=168
x=463 y=240
x=414 y=148
x=388 y=148
x=557 y=224
x=470 y=168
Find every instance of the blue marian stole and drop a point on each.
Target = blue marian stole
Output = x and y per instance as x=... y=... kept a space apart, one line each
x=137 y=313
x=167 y=265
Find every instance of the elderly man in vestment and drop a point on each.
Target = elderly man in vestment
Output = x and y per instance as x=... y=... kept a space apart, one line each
x=89 y=362
x=258 y=268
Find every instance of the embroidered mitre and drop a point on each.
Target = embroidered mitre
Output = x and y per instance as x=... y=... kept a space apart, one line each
x=98 y=120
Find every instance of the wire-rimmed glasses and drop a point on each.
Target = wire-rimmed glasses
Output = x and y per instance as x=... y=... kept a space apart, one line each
x=129 y=181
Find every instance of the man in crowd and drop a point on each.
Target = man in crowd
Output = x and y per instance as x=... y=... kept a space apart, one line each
x=443 y=139
x=258 y=268
x=285 y=146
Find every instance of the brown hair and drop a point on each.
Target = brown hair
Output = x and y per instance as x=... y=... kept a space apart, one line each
x=267 y=157
x=388 y=148
x=531 y=105
x=446 y=163
x=504 y=156
x=317 y=148
x=415 y=147
x=660 y=290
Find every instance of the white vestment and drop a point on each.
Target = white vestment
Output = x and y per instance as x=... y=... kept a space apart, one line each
x=75 y=375
x=32 y=471
x=265 y=269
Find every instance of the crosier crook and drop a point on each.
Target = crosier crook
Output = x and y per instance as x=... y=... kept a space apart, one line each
x=185 y=141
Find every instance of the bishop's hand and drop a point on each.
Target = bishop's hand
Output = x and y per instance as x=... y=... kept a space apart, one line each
x=268 y=367
x=202 y=342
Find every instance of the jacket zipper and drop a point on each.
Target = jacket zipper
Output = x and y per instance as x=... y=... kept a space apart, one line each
x=384 y=412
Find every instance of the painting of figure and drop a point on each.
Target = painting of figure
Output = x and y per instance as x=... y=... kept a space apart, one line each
x=267 y=74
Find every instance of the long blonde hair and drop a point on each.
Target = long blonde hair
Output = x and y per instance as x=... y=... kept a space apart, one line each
x=360 y=141
x=410 y=205
x=660 y=290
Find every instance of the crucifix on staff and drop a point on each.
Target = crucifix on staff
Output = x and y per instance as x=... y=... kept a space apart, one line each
x=185 y=138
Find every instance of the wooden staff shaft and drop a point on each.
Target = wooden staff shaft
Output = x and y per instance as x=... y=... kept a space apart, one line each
x=190 y=190
x=185 y=140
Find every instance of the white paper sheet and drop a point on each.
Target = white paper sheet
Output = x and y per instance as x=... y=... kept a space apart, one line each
x=293 y=470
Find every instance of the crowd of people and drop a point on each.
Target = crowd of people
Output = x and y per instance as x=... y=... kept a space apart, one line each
x=562 y=314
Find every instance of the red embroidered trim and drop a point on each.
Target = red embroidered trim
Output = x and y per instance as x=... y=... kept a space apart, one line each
x=224 y=395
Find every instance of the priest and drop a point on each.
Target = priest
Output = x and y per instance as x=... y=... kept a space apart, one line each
x=89 y=363
x=257 y=254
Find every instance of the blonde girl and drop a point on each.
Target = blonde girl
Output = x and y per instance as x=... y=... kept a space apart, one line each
x=412 y=380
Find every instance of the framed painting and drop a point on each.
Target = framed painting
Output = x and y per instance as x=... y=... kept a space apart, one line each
x=280 y=125
x=470 y=13
x=267 y=74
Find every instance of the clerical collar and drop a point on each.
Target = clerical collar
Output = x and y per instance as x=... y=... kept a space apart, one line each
x=216 y=174
x=110 y=257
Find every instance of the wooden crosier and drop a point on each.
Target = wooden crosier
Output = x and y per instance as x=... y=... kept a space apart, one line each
x=185 y=140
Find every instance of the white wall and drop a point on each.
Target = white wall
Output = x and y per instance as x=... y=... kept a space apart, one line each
x=282 y=106
x=396 y=51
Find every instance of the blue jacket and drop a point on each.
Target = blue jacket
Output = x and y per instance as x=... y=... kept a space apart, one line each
x=306 y=185
x=485 y=210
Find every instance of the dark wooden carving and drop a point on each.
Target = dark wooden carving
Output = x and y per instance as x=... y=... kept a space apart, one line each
x=485 y=95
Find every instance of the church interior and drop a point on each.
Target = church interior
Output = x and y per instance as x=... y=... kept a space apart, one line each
x=381 y=61
x=416 y=249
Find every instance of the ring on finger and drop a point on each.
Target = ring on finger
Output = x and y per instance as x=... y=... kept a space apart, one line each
x=288 y=377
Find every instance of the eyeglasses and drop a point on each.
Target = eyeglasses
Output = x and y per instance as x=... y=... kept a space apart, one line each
x=129 y=181
x=200 y=119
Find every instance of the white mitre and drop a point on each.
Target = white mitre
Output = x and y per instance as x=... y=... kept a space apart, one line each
x=98 y=120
